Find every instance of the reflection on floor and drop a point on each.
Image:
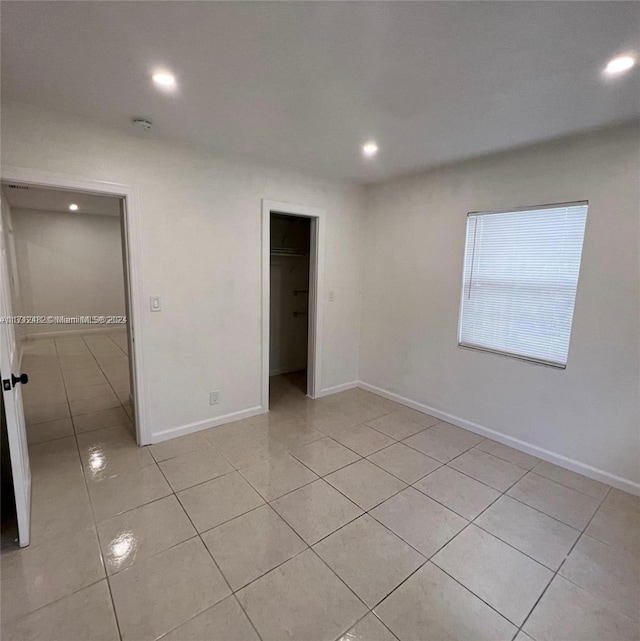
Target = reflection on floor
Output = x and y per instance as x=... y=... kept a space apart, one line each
x=348 y=517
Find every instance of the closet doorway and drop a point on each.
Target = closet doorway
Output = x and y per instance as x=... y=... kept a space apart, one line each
x=291 y=292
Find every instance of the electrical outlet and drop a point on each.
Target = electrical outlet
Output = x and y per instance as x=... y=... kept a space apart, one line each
x=332 y=296
x=214 y=397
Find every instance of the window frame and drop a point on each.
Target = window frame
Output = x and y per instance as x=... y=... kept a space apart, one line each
x=513 y=210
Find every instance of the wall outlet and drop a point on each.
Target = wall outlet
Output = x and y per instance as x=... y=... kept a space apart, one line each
x=332 y=296
x=214 y=397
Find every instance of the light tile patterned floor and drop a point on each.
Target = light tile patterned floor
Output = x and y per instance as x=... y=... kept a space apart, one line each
x=278 y=528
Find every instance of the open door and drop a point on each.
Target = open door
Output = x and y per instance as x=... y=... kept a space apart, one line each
x=12 y=383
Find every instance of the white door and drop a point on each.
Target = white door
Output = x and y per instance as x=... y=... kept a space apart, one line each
x=12 y=398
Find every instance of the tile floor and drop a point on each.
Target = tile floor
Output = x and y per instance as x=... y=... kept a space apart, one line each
x=347 y=518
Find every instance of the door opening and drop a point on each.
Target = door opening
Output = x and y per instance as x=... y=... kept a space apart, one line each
x=292 y=285
x=69 y=283
x=289 y=303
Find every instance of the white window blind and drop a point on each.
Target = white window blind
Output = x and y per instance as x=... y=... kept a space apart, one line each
x=520 y=278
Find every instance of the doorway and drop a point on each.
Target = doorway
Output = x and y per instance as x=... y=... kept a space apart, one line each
x=113 y=354
x=131 y=247
x=68 y=285
x=289 y=296
x=292 y=286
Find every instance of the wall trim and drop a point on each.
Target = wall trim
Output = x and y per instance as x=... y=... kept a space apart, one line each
x=327 y=391
x=190 y=428
x=546 y=455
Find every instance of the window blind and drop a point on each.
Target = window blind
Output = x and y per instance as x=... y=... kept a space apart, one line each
x=520 y=279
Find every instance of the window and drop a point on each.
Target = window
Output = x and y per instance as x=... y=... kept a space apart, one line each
x=520 y=278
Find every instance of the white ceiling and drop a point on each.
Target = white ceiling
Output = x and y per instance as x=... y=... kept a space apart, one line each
x=58 y=200
x=304 y=84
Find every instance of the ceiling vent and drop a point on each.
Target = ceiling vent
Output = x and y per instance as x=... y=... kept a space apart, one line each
x=23 y=187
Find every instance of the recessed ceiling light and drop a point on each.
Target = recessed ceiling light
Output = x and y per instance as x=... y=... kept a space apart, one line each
x=620 y=65
x=73 y=207
x=164 y=80
x=370 y=149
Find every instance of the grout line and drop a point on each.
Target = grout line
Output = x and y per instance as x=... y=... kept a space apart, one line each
x=471 y=522
x=500 y=494
x=506 y=460
x=311 y=547
x=341 y=636
x=513 y=547
x=199 y=535
x=223 y=522
x=93 y=512
x=107 y=378
x=435 y=459
x=308 y=547
x=366 y=512
x=20 y=617
x=235 y=596
x=491 y=607
x=555 y=574
x=430 y=559
x=360 y=458
x=533 y=471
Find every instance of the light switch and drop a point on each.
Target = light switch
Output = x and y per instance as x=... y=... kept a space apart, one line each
x=155 y=304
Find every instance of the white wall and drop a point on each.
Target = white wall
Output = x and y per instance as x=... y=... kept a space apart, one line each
x=414 y=241
x=68 y=265
x=201 y=225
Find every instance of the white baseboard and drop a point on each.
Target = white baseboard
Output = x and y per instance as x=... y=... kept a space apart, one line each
x=546 y=455
x=190 y=428
x=72 y=332
x=327 y=391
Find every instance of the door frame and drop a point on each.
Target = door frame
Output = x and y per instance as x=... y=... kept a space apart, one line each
x=133 y=258
x=316 y=292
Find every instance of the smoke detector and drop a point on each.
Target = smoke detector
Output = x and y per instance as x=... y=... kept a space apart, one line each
x=142 y=124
